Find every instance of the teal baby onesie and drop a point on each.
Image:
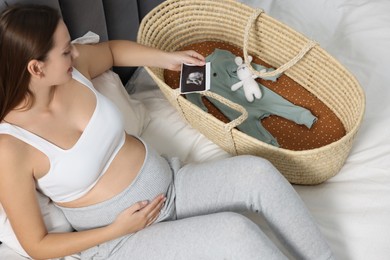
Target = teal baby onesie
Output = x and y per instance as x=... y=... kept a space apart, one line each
x=223 y=76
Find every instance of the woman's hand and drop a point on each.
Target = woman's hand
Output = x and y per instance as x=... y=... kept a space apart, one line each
x=139 y=215
x=175 y=59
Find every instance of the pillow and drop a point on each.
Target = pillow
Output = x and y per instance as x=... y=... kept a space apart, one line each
x=171 y=135
x=54 y=219
x=135 y=115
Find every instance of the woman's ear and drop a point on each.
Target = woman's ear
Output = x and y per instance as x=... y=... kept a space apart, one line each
x=34 y=67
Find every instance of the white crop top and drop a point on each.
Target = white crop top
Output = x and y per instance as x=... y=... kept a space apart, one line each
x=73 y=172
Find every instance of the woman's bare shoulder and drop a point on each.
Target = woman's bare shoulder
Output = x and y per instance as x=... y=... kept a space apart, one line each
x=93 y=59
x=13 y=152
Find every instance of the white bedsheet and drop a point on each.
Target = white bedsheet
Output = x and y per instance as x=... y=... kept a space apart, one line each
x=352 y=208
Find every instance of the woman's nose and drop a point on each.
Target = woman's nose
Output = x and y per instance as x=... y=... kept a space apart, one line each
x=75 y=52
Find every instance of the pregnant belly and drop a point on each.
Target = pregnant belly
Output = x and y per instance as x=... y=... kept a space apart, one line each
x=121 y=173
x=154 y=177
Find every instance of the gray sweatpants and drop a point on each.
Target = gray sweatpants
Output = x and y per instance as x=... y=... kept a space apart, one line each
x=204 y=224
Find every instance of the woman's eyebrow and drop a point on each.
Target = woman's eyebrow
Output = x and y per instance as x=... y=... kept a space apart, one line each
x=67 y=45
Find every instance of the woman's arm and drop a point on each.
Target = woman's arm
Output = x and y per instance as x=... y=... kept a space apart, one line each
x=18 y=197
x=97 y=58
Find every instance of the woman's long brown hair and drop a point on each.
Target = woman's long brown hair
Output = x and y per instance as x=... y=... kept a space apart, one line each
x=26 y=33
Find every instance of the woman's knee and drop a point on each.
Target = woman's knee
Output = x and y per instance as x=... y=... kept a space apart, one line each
x=259 y=169
x=246 y=240
x=237 y=221
x=238 y=229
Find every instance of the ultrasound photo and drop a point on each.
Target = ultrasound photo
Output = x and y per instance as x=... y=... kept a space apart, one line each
x=194 y=78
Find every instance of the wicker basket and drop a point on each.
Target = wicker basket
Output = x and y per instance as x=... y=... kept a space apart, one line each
x=175 y=24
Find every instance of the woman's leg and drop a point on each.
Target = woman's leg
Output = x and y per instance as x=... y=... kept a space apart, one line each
x=249 y=183
x=219 y=236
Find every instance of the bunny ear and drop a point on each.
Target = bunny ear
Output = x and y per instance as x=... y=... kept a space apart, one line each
x=238 y=60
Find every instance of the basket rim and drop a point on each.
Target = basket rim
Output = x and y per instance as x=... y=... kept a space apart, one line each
x=165 y=3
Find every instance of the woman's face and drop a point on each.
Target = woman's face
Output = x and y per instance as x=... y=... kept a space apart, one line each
x=58 y=65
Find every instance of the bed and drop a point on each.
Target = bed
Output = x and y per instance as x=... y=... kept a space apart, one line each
x=352 y=208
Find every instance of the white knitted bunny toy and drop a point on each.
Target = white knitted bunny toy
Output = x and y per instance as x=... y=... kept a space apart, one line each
x=250 y=86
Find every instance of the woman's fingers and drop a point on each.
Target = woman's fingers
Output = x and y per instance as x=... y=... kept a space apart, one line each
x=180 y=57
x=152 y=210
x=153 y=215
x=139 y=215
x=192 y=57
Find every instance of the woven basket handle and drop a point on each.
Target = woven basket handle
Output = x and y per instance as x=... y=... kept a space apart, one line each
x=309 y=45
x=244 y=114
x=234 y=123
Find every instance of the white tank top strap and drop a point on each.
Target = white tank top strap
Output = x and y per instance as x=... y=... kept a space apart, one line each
x=82 y=79
x=49 y=149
